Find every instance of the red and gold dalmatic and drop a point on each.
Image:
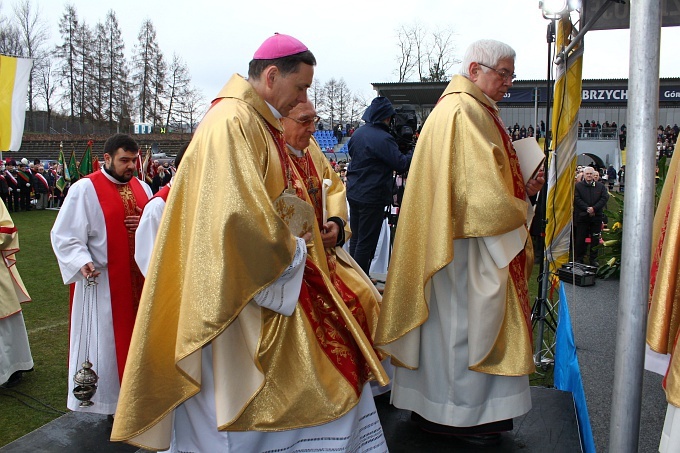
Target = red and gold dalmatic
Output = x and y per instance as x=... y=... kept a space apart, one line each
x=220 y=243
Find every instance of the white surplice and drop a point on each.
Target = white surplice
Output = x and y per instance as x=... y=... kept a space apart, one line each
x=15 y=352
x=195 y=421
x=359 y=430
x=79 y=237
x=467 y=304
x=145 y=236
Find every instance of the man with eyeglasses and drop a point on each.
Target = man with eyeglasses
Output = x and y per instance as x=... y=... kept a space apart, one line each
x=455 y=315
x=241 y=344
x=375 y=156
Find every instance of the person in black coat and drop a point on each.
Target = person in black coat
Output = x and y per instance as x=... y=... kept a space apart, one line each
x=375 y=156
x=590 y=199
x=4 y=188
x=13 y=185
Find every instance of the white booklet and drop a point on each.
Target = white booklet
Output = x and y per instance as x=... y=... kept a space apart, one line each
x=530 y=156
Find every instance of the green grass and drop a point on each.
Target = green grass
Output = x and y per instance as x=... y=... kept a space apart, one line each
x=46 y=320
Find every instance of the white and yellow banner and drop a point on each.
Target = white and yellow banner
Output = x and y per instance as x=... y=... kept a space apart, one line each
x=567 y=102
x=14 y=74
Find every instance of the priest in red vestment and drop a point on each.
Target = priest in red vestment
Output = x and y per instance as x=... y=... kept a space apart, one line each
x=94 y=237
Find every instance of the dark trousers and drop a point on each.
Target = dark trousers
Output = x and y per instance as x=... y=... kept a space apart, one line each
x=13 y=201
x=26 y=199
x=584 y=231
x=365 y=222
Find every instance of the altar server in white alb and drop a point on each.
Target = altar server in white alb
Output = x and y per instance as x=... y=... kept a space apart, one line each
x=150 y=221
x=94 y=236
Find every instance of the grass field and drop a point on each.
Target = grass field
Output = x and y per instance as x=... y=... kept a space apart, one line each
x=41 y=396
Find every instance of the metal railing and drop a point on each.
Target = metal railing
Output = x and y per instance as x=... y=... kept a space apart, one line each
x=598 y=133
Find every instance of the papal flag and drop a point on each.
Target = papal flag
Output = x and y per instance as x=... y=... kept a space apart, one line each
x=567 y=101
x=14 y=73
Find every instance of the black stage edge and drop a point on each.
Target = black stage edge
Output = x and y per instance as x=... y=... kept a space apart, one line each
x=74 y=432
x=549 y=426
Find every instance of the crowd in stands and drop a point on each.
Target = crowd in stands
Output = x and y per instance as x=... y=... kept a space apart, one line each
x=27 y=186
x=517 y=133
x=665 y=140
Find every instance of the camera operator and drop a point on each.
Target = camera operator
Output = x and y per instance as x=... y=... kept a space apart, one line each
x=375 y=156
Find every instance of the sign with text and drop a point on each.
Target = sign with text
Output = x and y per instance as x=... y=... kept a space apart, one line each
x=614 y=94
x=617 y=14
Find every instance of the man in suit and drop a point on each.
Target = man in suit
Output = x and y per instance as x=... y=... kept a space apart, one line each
x=590 y=198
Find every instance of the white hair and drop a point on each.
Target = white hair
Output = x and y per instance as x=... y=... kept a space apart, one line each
x=485 y=51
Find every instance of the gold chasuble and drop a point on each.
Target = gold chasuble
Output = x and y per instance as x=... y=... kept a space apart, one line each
x=221 y=242
x=445 y=201
x=12 y=289
x=663 y=323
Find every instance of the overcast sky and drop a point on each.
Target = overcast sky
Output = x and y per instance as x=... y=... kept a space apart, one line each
x=354 y=40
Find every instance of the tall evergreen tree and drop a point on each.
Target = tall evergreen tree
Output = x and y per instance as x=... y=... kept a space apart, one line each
x=158 y=84
x=84 y=79
x=144 y=63
x=67 y=55
x=115 y=62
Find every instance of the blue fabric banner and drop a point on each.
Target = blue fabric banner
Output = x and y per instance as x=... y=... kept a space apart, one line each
x=567 y=372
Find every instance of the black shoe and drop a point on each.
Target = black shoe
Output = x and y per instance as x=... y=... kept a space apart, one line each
x=480 y=440
x=13 y=380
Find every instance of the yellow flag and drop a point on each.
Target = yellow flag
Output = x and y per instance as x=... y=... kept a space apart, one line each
x=560 y=200
x=14 y=73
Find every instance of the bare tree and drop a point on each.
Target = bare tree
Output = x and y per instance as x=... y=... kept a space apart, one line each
x=441 y=57
x=10 y=37
x=67 y=53
x=46 y=87
x=144 y=64
x=34 y=35
x=356 y=109
x=406 y=60
x=329 y=108
x=344 y=97
x=315 y=94
x=192 y=107
x=178 y=82
x=429 y=54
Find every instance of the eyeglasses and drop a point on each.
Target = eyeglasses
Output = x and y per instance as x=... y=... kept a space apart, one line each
x=505 y=75
x=307 y=122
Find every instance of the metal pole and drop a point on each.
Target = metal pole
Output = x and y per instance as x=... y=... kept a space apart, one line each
x=544 y=270
x=643 y=95
x=535 y=110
